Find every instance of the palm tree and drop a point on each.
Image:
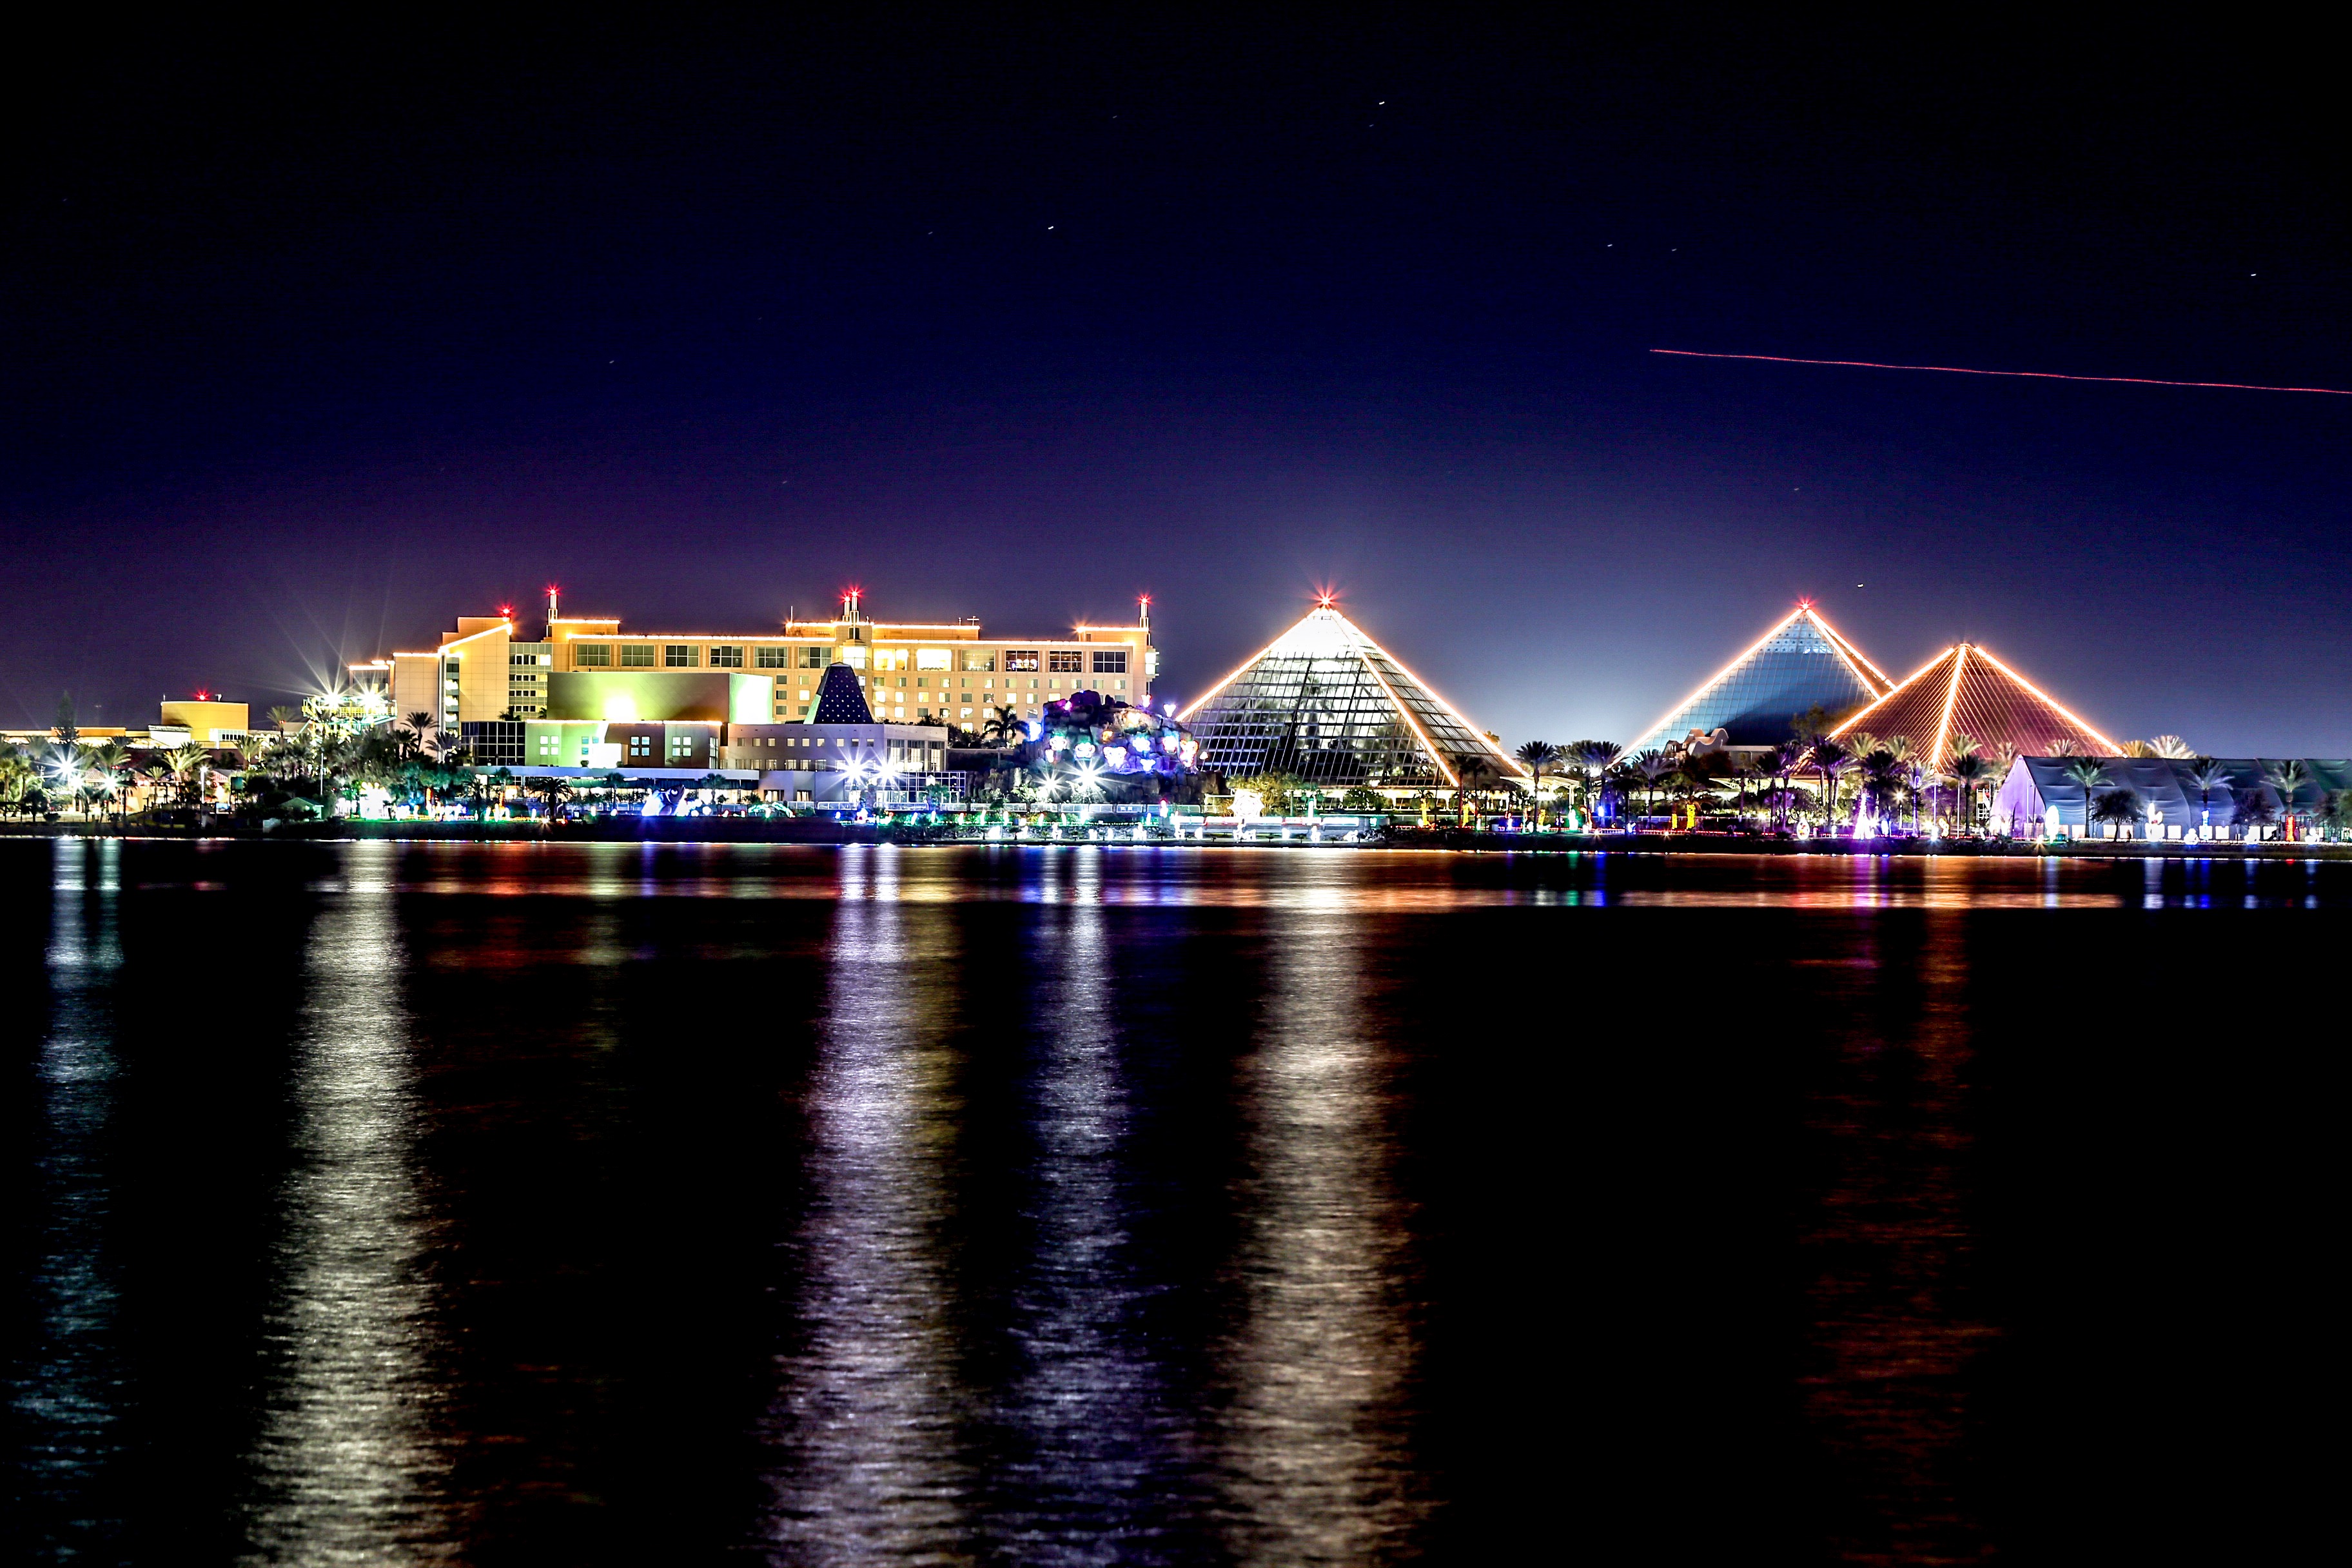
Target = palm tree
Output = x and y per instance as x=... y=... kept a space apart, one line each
x=2169 y=746
x=1471 y=773
x=2208 y=775
x=553 y=789
x=2090 y=772
x=1535 y=757
x=17 y=775
x=1746 y=767
x=1829 y=760
x=109 y=760
x=1595 y=759
x=420 y=725
x=2120 y=806
x=2335 y=810
x=1967 y=771
x=1653 y=766
x=1691 y=782
x=2286 y=776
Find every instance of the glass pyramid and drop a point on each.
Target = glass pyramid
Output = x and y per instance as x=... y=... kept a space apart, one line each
x=1327 y=704
x=838 y=698
x=1799 y=664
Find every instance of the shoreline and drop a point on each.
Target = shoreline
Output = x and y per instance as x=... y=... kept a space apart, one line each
x=826 y=832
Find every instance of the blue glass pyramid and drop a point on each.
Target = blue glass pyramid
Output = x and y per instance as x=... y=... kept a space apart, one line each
x=1799 y=664
x=838 y=698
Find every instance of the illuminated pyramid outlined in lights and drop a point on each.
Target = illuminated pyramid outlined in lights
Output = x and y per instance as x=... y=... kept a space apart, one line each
x=1964 y=690
x=1802 y=663
x=1327 y=704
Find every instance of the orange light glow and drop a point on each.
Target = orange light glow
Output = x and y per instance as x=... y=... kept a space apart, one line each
x=470 y=636
x=1951 y=696
x=1853 y=655
x=2111 y=748
x=1900 y=686
x=1510 y=764
x=1452 y=778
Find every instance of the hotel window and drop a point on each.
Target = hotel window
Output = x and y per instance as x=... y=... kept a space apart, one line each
x=773 y=657
x=679 y=656
x=636 y=655
x=811 y=658
x=641 y=745
x=853 y=657
x=979 y=661
x=724 y=656
x=1067 y=660
x=1110 y=663
x=1021 y=658
x=889 y=659
x=934 y=658
x=920 y=680
x=592 y=654
x=902 y=680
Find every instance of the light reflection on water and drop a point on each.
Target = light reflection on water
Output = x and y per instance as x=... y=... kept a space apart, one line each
x=1311 y=1435
x=1893 y=1332
x=346 y=1467
x=865 y=1422
x=1093 y=1200
x=69 y=1390
x=1407 y=882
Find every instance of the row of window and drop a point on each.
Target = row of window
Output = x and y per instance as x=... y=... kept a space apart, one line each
x=730 y=656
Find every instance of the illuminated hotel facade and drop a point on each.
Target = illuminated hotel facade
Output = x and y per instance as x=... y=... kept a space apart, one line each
x=593 y=670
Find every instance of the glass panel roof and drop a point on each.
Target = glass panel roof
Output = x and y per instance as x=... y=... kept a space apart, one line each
x=1329 y=705
x=1797 y=666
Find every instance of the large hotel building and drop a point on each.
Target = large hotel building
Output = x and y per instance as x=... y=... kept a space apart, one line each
x=520 y=701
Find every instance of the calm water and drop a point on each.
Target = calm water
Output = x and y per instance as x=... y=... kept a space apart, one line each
x=596 y=1204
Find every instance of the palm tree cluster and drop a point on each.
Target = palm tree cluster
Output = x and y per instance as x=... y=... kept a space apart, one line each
x=298 y=767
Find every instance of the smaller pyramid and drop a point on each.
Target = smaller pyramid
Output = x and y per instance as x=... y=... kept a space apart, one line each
x=1800 y=663
x=840 y=700
x=1964 y=691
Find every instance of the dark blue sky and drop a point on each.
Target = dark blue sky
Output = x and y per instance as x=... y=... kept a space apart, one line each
x=316 y=342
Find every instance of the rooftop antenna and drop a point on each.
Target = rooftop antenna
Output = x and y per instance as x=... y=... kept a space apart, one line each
x=1143 y=611
x=551 y=602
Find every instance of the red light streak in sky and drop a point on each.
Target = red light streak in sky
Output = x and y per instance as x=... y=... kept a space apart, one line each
x=2029 y=374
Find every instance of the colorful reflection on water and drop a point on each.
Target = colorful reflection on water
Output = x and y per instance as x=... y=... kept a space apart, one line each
x=389 y=1203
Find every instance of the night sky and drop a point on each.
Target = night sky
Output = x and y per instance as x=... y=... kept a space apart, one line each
x=314 y=343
